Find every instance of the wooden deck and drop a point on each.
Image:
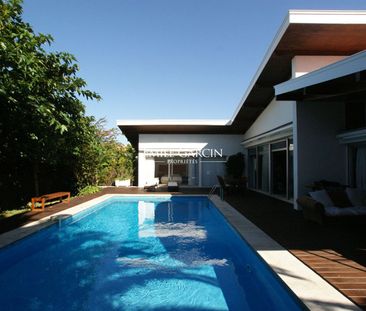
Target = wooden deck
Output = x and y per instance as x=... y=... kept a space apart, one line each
x=337 y=252
x=346 y=275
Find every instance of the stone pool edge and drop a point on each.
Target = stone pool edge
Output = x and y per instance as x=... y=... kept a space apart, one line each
x=308 y=286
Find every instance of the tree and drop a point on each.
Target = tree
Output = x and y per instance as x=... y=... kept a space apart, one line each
x=104 y=158
x=42 y=119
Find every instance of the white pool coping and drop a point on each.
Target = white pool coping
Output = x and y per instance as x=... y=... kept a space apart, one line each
x=314 y=291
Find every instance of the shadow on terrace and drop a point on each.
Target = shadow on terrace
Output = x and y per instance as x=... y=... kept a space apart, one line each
x=336 y=250
x=288 y=227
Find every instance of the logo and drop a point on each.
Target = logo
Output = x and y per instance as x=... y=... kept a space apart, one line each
x=198 y=153
x=179 y=156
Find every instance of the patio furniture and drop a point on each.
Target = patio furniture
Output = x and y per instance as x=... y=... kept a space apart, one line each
x=151 y=188
x=152 y=185
x=49 y=197
x=226 y=187
x=173 y=186
x=237 y=183
x=175 y=177
x=322 y=205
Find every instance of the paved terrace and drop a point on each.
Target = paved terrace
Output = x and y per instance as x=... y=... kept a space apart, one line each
x=336 y=251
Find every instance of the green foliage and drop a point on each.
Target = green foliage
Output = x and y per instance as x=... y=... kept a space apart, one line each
x=235 y=165
x=47 y=143
x=88 y=190
x=42 y=119
x=104 y=158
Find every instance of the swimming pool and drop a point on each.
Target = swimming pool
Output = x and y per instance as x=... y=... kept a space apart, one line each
x=140 y=253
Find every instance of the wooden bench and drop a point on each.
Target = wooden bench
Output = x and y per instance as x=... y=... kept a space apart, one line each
x=48 y=197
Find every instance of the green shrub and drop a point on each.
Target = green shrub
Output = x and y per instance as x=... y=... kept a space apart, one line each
x=235 y=165
x=88 y=190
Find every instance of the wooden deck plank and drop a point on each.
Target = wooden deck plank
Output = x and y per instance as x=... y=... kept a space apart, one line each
x=345 y=275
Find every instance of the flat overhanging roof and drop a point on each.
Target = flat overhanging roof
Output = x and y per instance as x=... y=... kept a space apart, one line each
x=132 y=128
x=173 y=122
x=301 y=33
x=345 y=79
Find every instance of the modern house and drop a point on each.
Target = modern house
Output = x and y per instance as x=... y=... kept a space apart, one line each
x=303 y=117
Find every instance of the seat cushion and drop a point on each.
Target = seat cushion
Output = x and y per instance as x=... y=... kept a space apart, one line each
x=339 y=198
x=341 y=211
x=322 y=197
x=361 y=210
x=356 y=196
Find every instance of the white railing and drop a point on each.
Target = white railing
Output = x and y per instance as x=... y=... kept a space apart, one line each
x=213 y=190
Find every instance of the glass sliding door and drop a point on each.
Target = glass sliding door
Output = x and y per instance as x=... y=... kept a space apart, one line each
x=162 y=169
x=263 y=168
x=357 y=165
x=184 y=171
x=290 y=173
x=193 y=173
x=252 y=168
x=279 y=168
x=211 y=168
x=270 y=168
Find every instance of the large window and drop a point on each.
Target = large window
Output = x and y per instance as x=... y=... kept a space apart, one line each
x=279 y=168
x=182 y=170
x=290 y=183
x=211 y=168
x=270 y=168
x=263 y=168
x=252 y=168
x=357 y=165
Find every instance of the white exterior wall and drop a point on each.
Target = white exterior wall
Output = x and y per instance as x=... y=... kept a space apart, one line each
x=146 y=166
x=146 y=170
x=315 y=128
x=276 y=114
x=302 y=64
x=318 y=154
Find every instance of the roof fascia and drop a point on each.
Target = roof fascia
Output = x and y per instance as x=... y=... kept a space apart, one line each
x=303 y=17
x=327 y=17
x=344 y=67
x=152 y=122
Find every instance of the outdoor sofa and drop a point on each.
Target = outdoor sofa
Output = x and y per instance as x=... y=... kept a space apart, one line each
x=333 y=203
x=174 y=178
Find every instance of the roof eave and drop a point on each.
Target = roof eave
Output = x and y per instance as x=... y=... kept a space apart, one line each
x=302 y=17
x=347 y=66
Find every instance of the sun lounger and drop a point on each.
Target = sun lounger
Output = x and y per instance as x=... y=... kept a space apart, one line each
x=152 y=184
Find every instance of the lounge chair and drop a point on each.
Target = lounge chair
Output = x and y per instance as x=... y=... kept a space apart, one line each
x=152 y=185
x=227 y=188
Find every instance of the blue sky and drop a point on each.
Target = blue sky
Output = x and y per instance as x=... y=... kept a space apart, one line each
x=166 y=58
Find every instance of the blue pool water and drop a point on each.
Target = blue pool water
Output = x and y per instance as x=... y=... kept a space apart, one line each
x=144 y=253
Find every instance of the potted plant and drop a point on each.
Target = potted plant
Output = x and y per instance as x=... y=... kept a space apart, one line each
x=235 y=166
